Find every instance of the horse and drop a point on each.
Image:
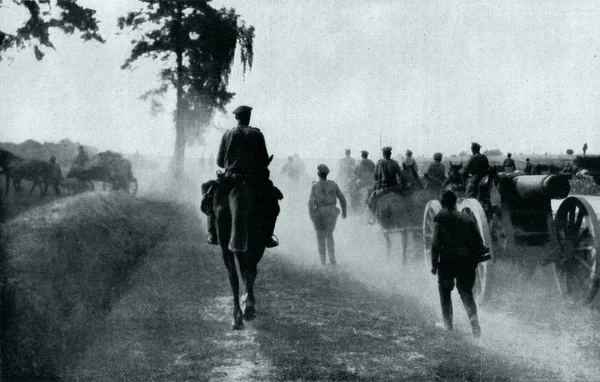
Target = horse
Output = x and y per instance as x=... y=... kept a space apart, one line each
x=400 y=210
x=6 y=159
x=40 y=173
x=258 y=199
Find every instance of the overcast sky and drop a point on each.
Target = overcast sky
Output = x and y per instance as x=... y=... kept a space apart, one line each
x=522 y=76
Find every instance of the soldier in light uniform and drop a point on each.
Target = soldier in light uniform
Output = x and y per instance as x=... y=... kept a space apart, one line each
x=477 y=167
x=456 y=250
x=346 y=170
x=436 y=173
x=243 y=155
x=409 y=161
x=323 y=212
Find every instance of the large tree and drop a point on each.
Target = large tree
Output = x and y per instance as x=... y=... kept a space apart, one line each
x=197 y=43
x=42 y=15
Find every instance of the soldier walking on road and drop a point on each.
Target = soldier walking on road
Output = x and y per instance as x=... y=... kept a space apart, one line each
x=323 y=212
x=456 y=250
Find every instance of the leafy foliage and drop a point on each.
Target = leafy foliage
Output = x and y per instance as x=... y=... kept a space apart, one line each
x=493 y=153
x=36 y=30
x=197 y=43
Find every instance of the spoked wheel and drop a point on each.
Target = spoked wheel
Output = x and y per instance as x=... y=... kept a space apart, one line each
x=132 y=186
x=431 y=209
x=482 y=288
x=576 y=270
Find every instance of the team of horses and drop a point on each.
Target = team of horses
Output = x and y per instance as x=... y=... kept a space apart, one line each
x=16 y=169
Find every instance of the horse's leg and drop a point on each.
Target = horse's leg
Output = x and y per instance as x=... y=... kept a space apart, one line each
x=404 y=234
x=223 y=219
x=388 y=244
x=229 y=259
x=248 y=269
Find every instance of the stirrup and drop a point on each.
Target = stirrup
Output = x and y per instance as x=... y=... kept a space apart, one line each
x=272 y=242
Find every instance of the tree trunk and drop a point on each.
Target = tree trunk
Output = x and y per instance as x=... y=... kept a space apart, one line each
x=180 y=132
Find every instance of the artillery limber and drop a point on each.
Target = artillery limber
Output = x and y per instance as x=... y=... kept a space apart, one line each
x=521 y=226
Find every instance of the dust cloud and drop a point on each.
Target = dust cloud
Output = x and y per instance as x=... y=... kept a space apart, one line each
x=526 y=320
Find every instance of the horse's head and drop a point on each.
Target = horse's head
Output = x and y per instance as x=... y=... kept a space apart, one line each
x=410 y=178
x=6 y=157
x=455 y=173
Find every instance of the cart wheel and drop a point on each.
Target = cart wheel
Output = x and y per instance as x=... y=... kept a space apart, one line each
x=431 y=209
x=482 y=289
x=576 y=270
x=132 y=186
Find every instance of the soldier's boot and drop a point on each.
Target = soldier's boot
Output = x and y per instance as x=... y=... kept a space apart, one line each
x=212 y=237
x=475 y=328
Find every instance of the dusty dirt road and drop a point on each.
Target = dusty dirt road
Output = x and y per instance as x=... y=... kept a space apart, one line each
x=368 y=319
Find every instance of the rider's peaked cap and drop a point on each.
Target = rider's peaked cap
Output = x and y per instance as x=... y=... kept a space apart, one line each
x=322 y=169
x=408 y=152
x=386 y=149
x=364 y=152
x=437 y=156
x=475 y=145
x=243 y=109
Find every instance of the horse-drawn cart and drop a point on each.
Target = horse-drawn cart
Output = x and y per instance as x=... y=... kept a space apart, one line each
x=523 y=227
x=109 y=168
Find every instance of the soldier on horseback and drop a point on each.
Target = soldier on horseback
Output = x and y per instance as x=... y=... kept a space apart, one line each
x=409 y=161
x=243 y=155
x=477 y=167
x=387 y=177
x=436 y=173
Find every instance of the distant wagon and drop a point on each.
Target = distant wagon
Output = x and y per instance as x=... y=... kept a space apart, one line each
x=109 y=168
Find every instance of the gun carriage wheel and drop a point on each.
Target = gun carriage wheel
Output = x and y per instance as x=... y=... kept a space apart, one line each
x=576 y=269
x=482 y=288
x=431 y=209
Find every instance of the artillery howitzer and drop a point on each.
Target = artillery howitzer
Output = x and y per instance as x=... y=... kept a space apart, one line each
x=522 y=227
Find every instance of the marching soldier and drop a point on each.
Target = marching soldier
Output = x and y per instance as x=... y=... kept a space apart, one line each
x=323 y=212
x=243 y=155
x=456 y=250
x=477 y=167
x=55 y=176
x=346 y=170
x=509 y=163
x=436 y=173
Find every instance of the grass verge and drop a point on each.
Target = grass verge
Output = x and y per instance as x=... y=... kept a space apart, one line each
x=66 y=263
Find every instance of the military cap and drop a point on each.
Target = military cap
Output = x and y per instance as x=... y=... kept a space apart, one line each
x=475 y=145
x=364 y=152
x=437 y=156
x=322 y=169
x=386 y=149
x=243 y=109
x=347 y=151
x=408 y=152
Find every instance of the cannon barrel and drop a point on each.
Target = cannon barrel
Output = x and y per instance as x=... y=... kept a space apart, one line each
x=540 y=187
